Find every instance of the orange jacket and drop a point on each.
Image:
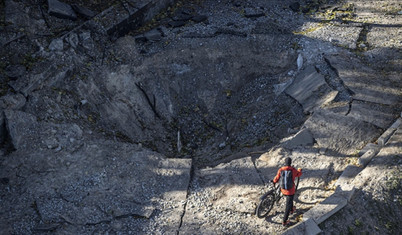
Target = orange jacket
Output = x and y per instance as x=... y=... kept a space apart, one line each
x=295 y=173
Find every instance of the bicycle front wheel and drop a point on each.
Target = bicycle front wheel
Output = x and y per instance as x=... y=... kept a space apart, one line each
x=266 y=204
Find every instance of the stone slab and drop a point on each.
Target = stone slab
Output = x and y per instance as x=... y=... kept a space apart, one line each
x=302 y=138
x=326 y=209
x=348 y=174
x=339 y=107
x=346 y=191
x=369 y=146
x=376 y=114
x=310 y=89
x=366 y=84
x=367 y=156
x=340 y=133
x=394 y=146
x=111 y=19
x=308 y=227
x=100 y=206
x=396 y=124
x=344 y=182
x=388 y=133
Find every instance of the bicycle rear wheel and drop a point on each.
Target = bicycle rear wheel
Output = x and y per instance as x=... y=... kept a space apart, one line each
x=265 y=205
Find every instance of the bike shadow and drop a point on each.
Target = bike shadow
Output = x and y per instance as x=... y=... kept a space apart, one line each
x=299 y=194
x=270 y=218
x=276 y=218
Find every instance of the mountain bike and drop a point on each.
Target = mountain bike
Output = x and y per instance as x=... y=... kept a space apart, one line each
x=268 y=200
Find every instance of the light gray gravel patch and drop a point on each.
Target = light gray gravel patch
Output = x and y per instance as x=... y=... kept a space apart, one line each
x=337 y=34
x=223 y=199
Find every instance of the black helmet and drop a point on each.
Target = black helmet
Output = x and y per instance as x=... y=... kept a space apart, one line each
x=288 y=161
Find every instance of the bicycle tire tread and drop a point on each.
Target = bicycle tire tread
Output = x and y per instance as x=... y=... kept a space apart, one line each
x=263 y=204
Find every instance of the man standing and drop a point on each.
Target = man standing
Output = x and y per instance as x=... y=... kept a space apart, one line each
x=287 y=175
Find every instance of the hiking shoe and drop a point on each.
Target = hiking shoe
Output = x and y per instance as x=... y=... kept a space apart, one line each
x=286 y=223
x=293 y=210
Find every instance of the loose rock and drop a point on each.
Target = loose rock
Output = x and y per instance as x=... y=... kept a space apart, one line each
x=61 y=10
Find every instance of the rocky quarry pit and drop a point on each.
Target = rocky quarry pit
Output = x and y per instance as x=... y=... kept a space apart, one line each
x=170 y=117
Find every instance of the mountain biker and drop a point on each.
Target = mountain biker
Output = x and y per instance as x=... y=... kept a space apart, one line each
x=288 y=193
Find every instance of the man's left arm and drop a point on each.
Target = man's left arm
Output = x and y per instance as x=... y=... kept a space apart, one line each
x=278 y=175
x=298 y=172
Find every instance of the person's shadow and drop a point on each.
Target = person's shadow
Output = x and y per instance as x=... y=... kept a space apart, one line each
x=279 y=208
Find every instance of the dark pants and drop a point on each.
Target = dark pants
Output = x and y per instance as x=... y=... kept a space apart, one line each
x=289 y=206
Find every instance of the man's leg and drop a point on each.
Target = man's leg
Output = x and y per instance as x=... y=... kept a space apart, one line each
x=289 y=206
x=292 y=207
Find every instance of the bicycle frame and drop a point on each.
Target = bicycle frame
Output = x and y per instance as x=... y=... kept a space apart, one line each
x=278 y=193
x=267 y=201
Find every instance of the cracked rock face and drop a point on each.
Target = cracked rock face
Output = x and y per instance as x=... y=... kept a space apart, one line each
x=176 y=126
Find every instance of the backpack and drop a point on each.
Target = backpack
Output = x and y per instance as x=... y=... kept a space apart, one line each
x=286 y=180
